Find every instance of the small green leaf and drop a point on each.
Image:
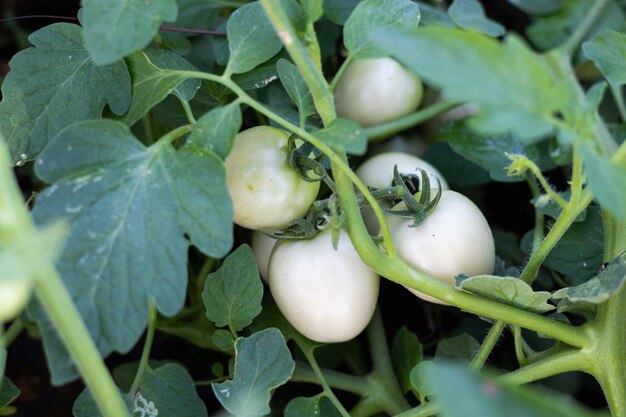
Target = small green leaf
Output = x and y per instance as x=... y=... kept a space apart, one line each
x=538 y=7
x=261 y=76
x=462 y=393
x=167 y=60
x=318 y=406
x=8 y=392
x=377 y=14
x=116 y=29
x=53 y=85
x=262 y=363
x=508 y=290
x=296 y=87
x=606 y=180
x=462 y=347
x=419 y=379
x=122 y=198
x=232 y=295
x=514 y=88
x=608 y=52
x=488 y=151
x=152 y=84
x=223 y=340
x=345 y=135
x=251 y=38
x=216 y=130
x=470 y=15
x=406 y=352
x=598 y=289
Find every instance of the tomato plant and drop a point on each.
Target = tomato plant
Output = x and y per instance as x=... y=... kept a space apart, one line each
x=153 y=156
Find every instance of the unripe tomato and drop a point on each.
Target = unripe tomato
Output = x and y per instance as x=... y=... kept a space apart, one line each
x=374 y=91
x=454 y=239
x=267 y=193
x=377 y=172
x=328 y=295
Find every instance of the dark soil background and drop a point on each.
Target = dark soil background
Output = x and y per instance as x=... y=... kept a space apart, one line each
x=505 y=206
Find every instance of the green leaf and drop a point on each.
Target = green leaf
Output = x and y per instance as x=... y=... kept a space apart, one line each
x=507 y=290
x=431 y=15
x=456 y=169
x=313 y=9
x=598 y=289
x=406 y=352
x=8 y=392
x=486 y=150
x=345 y=135
x=318 y=406
x=223 y=340
x=470 y=15
x=167 y=391
x=130 y=207
x=152 y=84
x=370 y=15
x=553 y=29
x=606 y=180
x=538 y=7
x=216 y=130
x=260 y=76
x=168 y=60
x=54 y=84
x=251 y=38
x=262 y=363
x=296 y=87
x=462 y=347
x=232 y=295
x=513 y=87
x=462 y=394
x=419 y=379
x=338 y=11
x=114 y=30
x=608 y=52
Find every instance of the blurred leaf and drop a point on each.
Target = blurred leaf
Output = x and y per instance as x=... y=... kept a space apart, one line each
x=598 y=289
x=313 y=9
x=507 y=290
x=514 y=88
x=122 y=198
x=470 y=15
x=53 y=85
x=296 y=87
x=463 y=394
x=345 y=135
x=431 y=15
x=8 y=392
x=338 y=11
x=370 y=15
x=262 y=363
x=608 y=52
x=107 y=26
x=462 y=347
x=216 y=130
x=553 y=29
x=456 y=169
x=318 y=406
x=406 y=352
x=486 y=150
x=232 y=295
x=538 y=7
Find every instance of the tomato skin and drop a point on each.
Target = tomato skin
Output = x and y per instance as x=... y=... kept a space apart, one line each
x=14 y=295
x=328 y=295
x=267 y=193
x=454 y=239
x=375 y=91
x=377 y=172
x=262 y=246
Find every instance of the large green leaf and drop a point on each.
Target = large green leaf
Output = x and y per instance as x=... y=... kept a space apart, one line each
x=129 y=208
x=216 y=130
x=54 y=84
x=513 y=87
x=470 y=15
x=116 y=28
x=232 y=295
x=262 y=363
x=461 y=393
x=507 y=290
x=608 y=52
x=377 y=14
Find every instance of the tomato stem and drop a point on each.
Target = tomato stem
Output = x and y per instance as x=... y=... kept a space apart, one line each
x=591 y=16
x=147 y=347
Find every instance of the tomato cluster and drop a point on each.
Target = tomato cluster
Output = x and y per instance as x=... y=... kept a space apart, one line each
x=328 y=293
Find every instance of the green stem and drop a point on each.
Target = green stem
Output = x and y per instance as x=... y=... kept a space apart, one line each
x=591 y=16
x=519 y=350
x=170 y=137
x=349 y=383
x=188 y=111
x=616 y=91
x=12 y=333
x=340 y=72
x=385 y=130
x=487 y=346
x=565 y=360
x=147 y=129
x=147 y=347
x=322 y=381
x=544 y=184
x=320 y=91
x=366 y=407
x=424 y=410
